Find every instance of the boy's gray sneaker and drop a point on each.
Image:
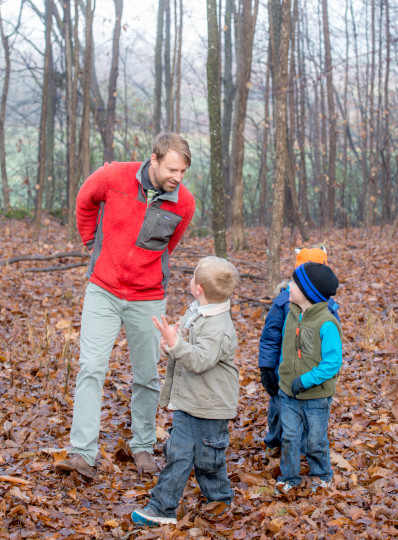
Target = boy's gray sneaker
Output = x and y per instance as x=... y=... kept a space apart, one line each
x=320 y=484
x=75 y=463
x=282 y=488
x=149 y=516
x=144 y=461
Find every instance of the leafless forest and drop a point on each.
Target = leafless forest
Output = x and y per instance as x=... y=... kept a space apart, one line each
x=296 y=97
x=291 y=112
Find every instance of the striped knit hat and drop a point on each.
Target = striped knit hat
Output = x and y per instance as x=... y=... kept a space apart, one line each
x=316 y=281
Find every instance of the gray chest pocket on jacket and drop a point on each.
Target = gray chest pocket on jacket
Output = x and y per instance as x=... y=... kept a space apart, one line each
x=158 y=227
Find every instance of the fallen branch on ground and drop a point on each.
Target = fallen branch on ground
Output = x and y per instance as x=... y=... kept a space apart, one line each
x=63 y=255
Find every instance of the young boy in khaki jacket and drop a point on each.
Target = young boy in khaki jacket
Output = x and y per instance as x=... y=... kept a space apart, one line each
x=202 y=387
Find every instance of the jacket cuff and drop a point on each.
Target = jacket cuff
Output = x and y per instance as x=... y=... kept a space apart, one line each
x=305 y=380
x=172 y=349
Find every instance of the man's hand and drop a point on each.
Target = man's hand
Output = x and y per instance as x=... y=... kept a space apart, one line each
x=269 y=380
x=169 y=333
x=297 y=386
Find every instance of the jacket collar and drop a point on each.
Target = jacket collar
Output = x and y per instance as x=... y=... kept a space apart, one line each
x=171 y=196
x=309 y=311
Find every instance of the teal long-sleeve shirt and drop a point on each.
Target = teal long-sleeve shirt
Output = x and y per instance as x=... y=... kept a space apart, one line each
x=332 y=356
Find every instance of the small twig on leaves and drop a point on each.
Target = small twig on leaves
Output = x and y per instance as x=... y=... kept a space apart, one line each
x=258 y=301
x=36 y=257
x=55 y=268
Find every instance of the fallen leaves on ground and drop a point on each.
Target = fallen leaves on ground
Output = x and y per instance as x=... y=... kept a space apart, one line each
x=39 y=336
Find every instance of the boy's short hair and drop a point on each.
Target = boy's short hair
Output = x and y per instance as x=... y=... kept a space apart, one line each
x=218 y=277
x=171 y=141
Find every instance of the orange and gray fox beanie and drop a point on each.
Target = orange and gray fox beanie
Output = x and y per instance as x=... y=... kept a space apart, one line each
x=317 y=255
x=316 y=281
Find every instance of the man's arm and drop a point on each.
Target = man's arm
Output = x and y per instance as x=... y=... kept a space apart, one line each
x=89 y=198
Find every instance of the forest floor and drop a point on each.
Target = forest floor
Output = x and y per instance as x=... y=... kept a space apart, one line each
x=39 y=349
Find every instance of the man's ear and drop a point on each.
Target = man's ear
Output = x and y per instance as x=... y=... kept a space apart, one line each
x=154 y=160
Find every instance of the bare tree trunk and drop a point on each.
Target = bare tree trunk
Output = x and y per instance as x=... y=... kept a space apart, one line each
x=324 y=154
x=378 y=168
x=369 y=201
x=281 y=68
x=167 y=69
x=345 y=120
x=247 y=21
x=331 y=175
x=50 y=135
x=170 y=120
x=84 y=156
x=291 y=168
x=112 y=86
x=6 y=82
x=362 y=91
x=157 y=112
x=228 y=100
x=43 y=120
x=214 y=97
x=262 y=176
x=72 y=71
x=178 y=80
x=316 y=121
x=303 y=191
x=386 y=151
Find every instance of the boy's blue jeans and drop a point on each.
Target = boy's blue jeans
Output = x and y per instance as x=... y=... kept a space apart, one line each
x=193 y=442
x=313 y=416
x=273 y=438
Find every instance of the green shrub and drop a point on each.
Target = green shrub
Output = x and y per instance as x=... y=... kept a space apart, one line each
x=16 y=213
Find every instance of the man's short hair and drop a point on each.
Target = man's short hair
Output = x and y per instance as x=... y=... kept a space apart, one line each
x=171 y=141
x=218 y=277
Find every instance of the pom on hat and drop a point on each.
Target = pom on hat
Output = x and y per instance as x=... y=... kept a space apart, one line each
x=317 y=255
x=316 y=281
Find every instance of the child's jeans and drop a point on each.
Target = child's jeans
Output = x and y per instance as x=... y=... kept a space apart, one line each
x=273 y=438
x=197 y=442
x=274 y=433
x=311 y=415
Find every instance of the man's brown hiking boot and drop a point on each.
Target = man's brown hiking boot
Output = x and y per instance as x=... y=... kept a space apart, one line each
x=144 y=461
x=75 y=463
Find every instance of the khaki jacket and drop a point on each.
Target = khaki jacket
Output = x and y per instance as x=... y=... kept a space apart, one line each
x=201 y=377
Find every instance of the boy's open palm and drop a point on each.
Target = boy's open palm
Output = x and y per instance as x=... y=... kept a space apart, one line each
x=168 y=332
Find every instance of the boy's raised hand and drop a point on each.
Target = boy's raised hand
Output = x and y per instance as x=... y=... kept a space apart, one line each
x=169 y=333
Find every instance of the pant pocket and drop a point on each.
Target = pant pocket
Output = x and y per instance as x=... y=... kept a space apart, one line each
x=213 y=454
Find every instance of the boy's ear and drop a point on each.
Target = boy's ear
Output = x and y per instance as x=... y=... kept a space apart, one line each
x=199 y=288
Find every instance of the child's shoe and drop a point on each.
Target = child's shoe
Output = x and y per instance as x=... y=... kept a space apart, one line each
x=282 y=488
x=149 y=516
x=320 y=484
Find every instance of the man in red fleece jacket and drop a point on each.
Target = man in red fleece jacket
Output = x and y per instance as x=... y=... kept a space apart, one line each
x=130 y=216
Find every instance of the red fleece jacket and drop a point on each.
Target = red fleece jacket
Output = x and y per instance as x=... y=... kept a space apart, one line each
x=132 y=260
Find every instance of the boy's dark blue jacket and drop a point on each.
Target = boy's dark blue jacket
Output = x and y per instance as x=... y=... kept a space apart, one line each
x=271 y=336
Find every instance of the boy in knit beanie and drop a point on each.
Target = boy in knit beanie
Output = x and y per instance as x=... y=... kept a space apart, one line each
x=311 y=360
x=270 y=350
